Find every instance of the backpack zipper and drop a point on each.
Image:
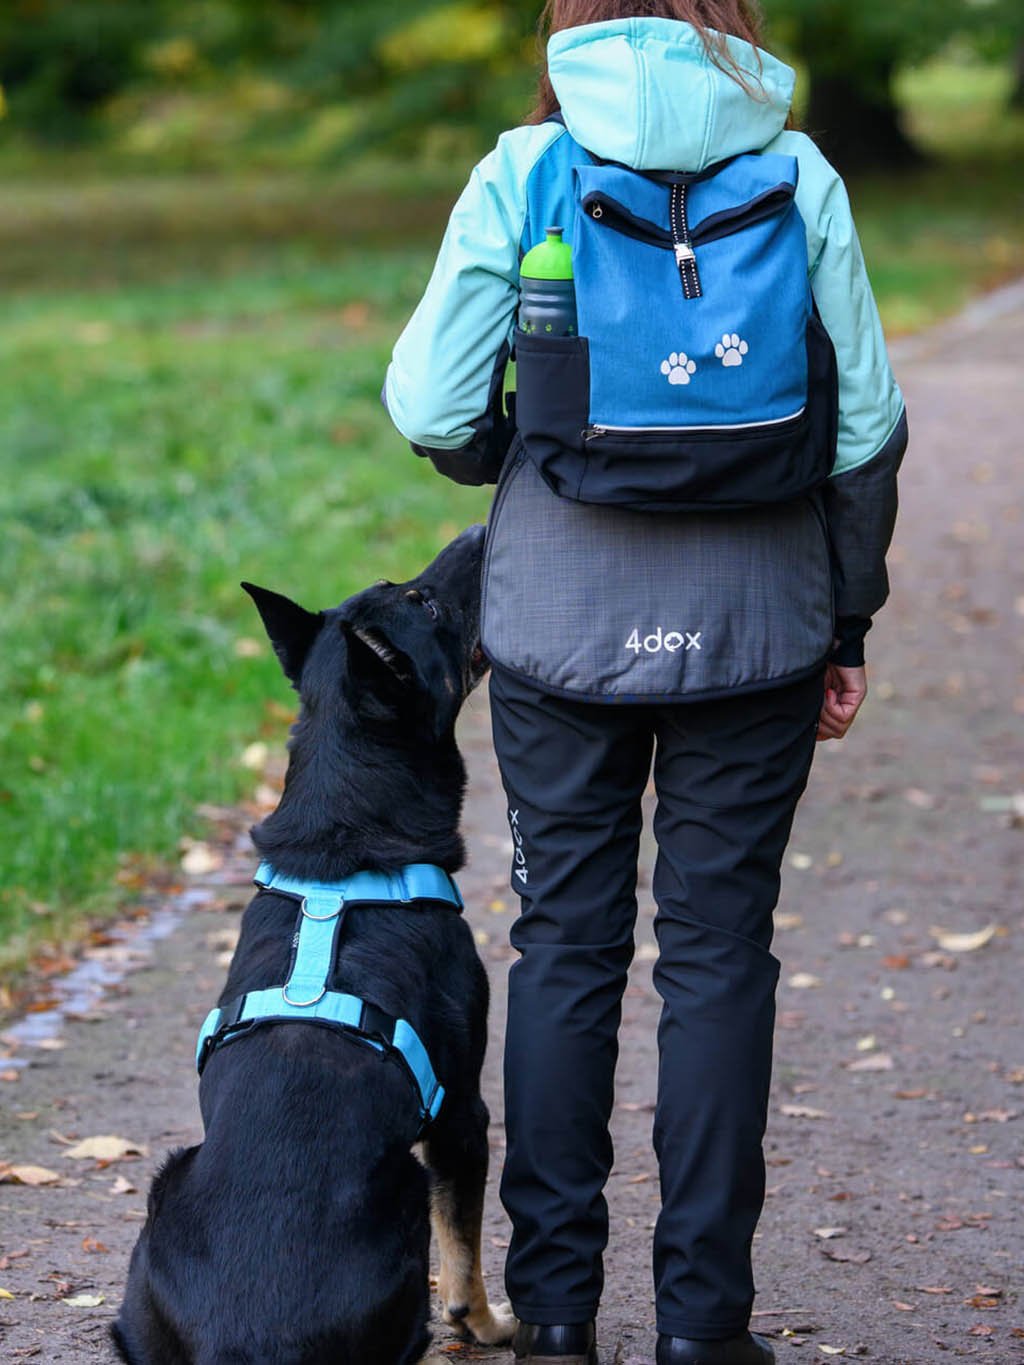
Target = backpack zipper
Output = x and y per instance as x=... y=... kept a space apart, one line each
x=722 y=224
x=686 y=257
x=599 y=431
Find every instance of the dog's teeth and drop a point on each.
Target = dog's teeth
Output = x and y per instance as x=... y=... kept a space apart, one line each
x=377 y=645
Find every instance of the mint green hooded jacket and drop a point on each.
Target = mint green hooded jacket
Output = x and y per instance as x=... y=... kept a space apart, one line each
x=645 y=92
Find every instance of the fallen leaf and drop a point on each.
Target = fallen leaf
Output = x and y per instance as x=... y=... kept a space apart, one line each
x=911 y=1094
x=802 y=1111
x=84 y=1301
x=946 y=961
x=933 y=1289
x=952 y=942
x=993 y=1116
x=28 y=1175
x=801 y=861
x=254 y=757
x=246 y=647
x=921 y=800
x=199 y=859
x=896 y=962
x=903 y=1307
x=875 y=1061
x=105 y=1149
x=831 y=1350
x=980 y=1331
x=826 y=1234
x=952 y=1222
x=787 y=922
x=804 y=981
x=93 y=1247
x=851 y=1257
x=123 y=1186
x=981 y=1301
x=6 y=1294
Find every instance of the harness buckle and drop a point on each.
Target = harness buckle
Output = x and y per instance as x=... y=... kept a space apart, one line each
x=376 y=1023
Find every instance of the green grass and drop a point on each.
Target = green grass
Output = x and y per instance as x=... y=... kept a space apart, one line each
x=157 y=444
x=189 y=379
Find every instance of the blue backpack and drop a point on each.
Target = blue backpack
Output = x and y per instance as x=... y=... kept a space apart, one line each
x=702 y=375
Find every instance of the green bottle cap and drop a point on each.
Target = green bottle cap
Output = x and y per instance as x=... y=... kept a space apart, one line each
x=551 y=260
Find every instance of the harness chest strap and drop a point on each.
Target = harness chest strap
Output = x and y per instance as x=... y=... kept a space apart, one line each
x=305 y=998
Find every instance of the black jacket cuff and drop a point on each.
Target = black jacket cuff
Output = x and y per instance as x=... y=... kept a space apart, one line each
x=848 y=651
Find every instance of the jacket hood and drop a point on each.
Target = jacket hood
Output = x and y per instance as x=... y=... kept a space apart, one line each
x=646 y=93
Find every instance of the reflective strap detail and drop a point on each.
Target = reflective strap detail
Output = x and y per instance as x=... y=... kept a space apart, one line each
x=304 y=998
x=332 y=1008
x=407 y=1041
x=314 y=949
x=210 y=1026
x=416 y=882
x=345 y=1012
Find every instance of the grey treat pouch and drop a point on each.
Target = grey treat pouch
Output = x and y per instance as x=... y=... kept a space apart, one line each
x=607 y=604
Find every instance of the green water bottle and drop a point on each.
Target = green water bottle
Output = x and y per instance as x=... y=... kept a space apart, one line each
x=547 y=294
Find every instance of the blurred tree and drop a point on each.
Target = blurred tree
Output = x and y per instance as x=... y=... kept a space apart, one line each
x=446 y=73
x=853 y=53
x=61 y=59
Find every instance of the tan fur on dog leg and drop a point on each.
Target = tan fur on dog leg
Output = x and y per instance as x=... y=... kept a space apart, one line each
x=461 y=1281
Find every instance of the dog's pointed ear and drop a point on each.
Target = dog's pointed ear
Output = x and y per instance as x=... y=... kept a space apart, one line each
x=376 y=664
x=292 y=629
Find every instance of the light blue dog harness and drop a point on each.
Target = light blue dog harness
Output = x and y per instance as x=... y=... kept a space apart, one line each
x=305 y=997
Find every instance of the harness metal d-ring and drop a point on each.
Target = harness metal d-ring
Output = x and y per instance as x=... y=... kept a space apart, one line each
x=322 y=919
x=302 y=1004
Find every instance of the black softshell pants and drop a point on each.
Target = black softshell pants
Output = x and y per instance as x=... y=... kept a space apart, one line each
x=728 y=775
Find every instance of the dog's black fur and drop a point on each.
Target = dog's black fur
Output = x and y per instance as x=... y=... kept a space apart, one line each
x=297 y=1233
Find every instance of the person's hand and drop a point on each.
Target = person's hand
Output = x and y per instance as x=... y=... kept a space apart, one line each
x=845 y=690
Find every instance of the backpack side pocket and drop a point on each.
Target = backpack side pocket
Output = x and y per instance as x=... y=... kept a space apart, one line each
x=552 y=404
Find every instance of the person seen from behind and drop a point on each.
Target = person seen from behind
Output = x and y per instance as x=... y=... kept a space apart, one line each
x=696 y=495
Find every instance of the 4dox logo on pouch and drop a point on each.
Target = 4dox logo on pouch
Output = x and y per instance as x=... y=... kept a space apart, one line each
x=663 y=641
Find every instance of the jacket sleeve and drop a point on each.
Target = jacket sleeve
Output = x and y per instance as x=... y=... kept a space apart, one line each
x=861 y=495
x=445 y=385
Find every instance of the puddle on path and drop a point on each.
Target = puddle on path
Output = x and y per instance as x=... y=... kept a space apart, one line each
x=79 y=992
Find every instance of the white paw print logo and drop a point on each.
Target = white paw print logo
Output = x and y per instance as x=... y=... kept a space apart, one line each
x=731 y=350
x=678 y=368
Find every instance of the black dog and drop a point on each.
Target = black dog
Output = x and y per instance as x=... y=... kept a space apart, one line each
x=298 y=1232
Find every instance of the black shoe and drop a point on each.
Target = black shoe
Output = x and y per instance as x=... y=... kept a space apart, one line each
x=742 y=1350
x=571 y=1344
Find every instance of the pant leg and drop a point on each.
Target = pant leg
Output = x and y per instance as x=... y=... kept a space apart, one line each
x=729 y=775
x=574 y=774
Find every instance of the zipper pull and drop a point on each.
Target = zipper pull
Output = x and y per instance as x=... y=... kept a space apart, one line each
x=686 y=257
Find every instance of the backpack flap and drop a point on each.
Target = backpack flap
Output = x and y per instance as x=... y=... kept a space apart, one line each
x=711 y=382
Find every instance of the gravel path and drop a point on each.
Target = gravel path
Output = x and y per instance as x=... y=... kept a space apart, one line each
x=893 y=1228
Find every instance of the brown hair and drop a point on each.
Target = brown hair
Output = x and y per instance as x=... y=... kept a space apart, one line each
x=713 y=19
